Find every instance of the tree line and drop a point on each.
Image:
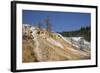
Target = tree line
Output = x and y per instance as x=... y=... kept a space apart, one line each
x=84 y=32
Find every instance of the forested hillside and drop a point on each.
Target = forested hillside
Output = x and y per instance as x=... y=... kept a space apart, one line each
x=82 y=32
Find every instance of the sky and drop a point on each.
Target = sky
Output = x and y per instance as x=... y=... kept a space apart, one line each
x=60 y=21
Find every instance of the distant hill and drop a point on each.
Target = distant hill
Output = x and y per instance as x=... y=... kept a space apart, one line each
x=82 y=32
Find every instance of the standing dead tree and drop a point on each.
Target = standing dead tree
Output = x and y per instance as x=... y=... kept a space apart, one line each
x=39 y=25
x=48 y=24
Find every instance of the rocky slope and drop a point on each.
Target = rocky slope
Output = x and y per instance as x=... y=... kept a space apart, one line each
x=40 y=45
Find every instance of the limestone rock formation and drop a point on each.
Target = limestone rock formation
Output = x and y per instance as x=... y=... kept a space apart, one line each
x=39 y=45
